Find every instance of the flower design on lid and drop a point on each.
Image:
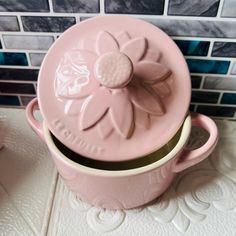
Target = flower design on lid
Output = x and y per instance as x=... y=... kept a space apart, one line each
x=116 y=85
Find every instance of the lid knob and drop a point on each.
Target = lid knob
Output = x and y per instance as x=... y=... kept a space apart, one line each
x=114 y=70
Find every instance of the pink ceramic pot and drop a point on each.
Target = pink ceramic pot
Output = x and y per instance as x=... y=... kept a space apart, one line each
x=132 y=187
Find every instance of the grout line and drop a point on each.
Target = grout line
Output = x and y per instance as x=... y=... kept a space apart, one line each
x=30 y=33
x=195 y=108
x=213 y=90
x=166 y=4
x=19 y=67
x=210 y=57
x=19 y=98
x=17 y=81
x=102 y=7
x=214 y=104
x=35 y=87
x=50 y=6
x=220 y=9
x=24 y=50
x=50 y=202
x=202 y=82
x=219 y=98
x=170 y=17
x=12 y=106
x=210 y=49
x=230 y=68
x=173 y=37
x=28 y=59
x=20 y=24
x=183 y=18
x=16 y=94
x=3 y=44
x=203 y=38
x=214 y=75
x=46 y=14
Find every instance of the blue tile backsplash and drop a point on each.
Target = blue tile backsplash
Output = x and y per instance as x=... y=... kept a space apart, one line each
x=204 y=31
x=193 y=47
x=208 y=66
x=228 y=98
x=13 y=59
x=9 y=100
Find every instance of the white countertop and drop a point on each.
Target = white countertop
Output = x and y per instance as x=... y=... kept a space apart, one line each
x=34 y=200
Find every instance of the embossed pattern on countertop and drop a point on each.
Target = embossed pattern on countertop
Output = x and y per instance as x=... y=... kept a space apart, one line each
x=200 y=201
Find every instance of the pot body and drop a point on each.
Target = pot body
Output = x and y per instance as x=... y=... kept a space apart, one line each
x=124 y=189
x=116 y=192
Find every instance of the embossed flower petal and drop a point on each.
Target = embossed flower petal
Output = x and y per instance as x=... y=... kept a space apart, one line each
x=105 y=127
x=94 y=108
x=142 y=118
x=165 y=209
x=106 y=43
x=162 y=88
x=146 y=101
x=135 y=48
x=181 y=222
x=189 y=212
x=122 y=113
x=101 y=220
x=151 y=72
x=122 y=37
x=152 y=55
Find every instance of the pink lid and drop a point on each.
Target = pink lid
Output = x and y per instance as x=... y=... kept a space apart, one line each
x=114 y=88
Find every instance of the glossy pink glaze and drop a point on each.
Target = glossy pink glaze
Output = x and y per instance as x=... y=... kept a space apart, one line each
x=129 y=188
x=106 y=86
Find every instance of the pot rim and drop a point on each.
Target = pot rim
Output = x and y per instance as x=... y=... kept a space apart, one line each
x=184 y=136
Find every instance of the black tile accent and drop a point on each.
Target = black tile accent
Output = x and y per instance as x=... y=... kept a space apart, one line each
x=47 y=24
x=9 y=100
x=224 y=49
x=17 y=88
x=193 y=8
x=196 y=81
x=24 y=5
x=18 y=74
x=220 y=111
x=74 y=6
x=145 y=7
x=191 y=107
x=204 y=97
x=9 y=23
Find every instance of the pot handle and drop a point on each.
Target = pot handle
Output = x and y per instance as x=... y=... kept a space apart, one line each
x=191 y=157
x=36 y=125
